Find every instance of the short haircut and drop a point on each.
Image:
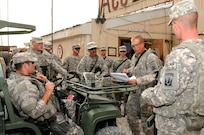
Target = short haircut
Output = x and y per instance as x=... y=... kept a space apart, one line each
x=141 y=39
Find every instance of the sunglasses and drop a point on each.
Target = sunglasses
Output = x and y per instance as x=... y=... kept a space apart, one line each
x=29 y=62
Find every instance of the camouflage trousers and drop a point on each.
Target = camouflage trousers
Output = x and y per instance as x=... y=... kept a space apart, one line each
x=62 y=127
x=65 y=128
x=71 y=108
x=173 y=126
x=191 y=133
x=137 y=115
x=122 y=96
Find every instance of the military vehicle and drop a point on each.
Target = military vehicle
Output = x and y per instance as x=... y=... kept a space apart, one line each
x=95 y=113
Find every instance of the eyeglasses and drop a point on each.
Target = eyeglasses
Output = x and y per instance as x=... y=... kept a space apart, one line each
x=77 y=48
x=133 y=46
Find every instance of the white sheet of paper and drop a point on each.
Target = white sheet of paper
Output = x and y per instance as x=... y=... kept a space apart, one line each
x=119 y=77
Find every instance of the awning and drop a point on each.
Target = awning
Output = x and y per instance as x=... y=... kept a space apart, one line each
x=19 y=28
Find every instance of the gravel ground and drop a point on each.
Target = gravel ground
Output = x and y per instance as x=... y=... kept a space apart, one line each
x=122 y=122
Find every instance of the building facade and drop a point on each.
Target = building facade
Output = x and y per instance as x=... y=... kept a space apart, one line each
x=118 y=21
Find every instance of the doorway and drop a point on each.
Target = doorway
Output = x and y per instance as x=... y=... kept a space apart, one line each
x=127 y=43
x=155 y=44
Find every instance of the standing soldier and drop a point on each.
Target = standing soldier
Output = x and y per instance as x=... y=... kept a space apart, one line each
x=92 y=62
x=45 y=63
x=120 y=63
x=108 y=61
x=48 y=47
x=71 y=62
x=145 y=65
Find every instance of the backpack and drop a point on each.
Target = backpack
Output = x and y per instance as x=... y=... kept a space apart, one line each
x=198 y=104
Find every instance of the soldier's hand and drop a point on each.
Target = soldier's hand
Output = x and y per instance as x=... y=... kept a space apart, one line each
x=125 y=71
x=132 y=81
x=41 y=76
x=49 y=87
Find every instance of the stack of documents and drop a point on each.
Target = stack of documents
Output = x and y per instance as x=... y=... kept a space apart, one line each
x=119 y=77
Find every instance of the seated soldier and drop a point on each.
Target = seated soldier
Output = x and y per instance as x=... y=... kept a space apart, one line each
x=35 y=100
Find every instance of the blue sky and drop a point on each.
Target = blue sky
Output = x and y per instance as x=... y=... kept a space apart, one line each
x=66 y=13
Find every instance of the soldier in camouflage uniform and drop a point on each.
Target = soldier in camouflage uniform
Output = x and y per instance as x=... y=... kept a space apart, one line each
x=71 y=62
x=120 y=63
x=177 y=77
x=108 y=61
x=92 y=62
x=35 y=100
x=48 y=47
x=145 y=66
x=45 y=63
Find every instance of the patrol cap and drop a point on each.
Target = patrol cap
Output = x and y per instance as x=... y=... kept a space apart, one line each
x=37 y=39
x=27 y=43
x=102 y=48
x=123 y=48
x=23 y=57
x=76 y=46
x=16 y=50
x=47 y=45
x=91 y=45
x=181 y=8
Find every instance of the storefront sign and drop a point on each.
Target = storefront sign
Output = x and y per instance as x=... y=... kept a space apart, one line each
x=112 y=5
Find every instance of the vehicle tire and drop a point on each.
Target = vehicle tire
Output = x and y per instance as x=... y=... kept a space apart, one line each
x=111 y=130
